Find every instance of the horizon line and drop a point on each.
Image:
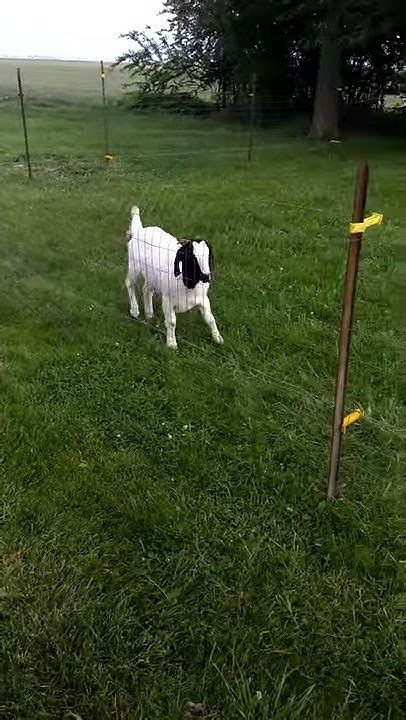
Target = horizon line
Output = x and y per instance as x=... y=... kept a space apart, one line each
x=56 y=59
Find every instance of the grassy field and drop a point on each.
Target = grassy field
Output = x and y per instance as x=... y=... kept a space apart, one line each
x=166 y=535
x=59 y=79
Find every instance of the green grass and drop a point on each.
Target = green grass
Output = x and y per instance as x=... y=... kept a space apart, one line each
x=59 y=79
x=166 y=535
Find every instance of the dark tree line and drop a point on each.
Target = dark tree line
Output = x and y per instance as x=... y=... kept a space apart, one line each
x=317 y=53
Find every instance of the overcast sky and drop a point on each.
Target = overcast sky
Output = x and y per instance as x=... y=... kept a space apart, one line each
x=74 y=29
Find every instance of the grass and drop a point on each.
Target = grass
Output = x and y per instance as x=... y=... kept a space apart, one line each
x=59 y=79
x=166 y=535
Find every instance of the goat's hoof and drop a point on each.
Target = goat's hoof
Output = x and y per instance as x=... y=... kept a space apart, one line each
x=149 y=317
x=219 y=340
x=172 y=345
x=132 y=316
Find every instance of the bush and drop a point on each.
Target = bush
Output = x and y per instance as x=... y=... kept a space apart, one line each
x=181 y=103
x=381 y=122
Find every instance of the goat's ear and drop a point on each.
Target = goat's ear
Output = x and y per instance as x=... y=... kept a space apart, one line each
x=178 y=259
x=190 y=265
x=211 y=258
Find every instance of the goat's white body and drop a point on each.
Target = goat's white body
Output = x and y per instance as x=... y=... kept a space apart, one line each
x=151 y=255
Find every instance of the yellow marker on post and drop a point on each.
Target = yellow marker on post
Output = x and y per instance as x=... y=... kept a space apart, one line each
x=374 y=219
x=352 y=418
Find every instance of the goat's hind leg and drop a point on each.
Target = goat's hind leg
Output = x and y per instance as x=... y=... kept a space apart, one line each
x=170 y=323
x=147 y=294
x=131 y=282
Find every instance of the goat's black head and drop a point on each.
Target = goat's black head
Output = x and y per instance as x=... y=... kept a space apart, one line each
x=197 y=261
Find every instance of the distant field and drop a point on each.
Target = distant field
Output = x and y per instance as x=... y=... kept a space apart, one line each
x=58 y=78
x=76 y=80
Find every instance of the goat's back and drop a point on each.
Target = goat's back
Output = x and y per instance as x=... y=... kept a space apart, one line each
x=151 y=253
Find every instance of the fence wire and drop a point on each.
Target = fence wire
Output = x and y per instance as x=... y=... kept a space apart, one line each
x=162 y=141
x=152 y=269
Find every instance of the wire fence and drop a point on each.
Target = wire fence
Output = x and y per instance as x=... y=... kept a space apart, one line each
x=162 y=139
x=171 y=126
x=130 y=139
x=164 y=127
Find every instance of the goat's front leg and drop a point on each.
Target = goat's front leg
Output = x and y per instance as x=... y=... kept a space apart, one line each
x=130 y=284
x=208 y=318
x=170 y=322
x=148 y=304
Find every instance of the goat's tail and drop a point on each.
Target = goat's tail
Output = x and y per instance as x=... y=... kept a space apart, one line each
x=136 y=223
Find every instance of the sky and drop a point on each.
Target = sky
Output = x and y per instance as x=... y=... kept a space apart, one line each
x=74 y=29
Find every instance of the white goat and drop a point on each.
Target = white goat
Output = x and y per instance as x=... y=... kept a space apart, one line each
x=181 y=273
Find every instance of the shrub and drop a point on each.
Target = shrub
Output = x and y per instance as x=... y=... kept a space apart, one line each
x=180 y=103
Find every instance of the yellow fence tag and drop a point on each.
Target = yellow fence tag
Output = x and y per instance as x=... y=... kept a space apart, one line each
x=374 y=219
x=352 y=418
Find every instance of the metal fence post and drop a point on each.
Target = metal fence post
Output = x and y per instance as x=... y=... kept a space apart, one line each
x=252 y=115
x=22 y=107
x=350 y=283
x=107 y=154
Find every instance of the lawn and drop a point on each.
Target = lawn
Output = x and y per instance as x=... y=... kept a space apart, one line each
x=166 y=538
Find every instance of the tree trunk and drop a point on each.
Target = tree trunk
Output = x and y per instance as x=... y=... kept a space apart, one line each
x=325 y=112
x=223 y=92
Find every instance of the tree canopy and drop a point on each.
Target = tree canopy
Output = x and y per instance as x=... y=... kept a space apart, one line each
x=294 y=48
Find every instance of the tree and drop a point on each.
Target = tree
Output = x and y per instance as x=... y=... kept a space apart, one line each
x=214 y=44
x=351 y=28
x=300 y=50
x=402 y=80
x=325 y=112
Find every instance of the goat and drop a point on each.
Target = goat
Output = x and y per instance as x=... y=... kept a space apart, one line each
x=180 y=273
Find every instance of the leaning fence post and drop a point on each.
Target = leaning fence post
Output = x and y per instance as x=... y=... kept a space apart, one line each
x=350 y=283
x=107 y=155
x=252 y=115
x=22 y=107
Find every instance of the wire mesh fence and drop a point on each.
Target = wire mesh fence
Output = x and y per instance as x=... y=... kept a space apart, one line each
x=180 y=165
x=239 y=131
x=126 y=129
